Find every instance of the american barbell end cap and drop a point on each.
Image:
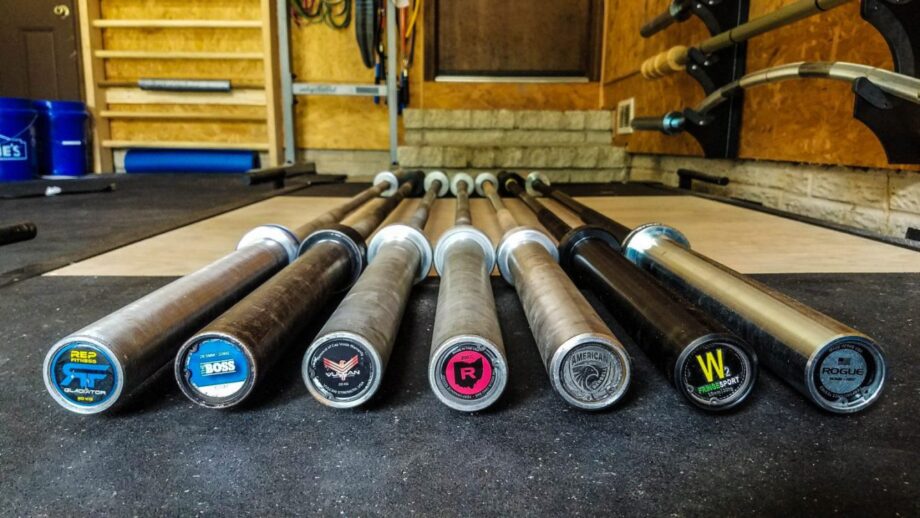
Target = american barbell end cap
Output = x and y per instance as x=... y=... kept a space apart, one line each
x=462 y=178
x=438 y=176
x=389 y=177
x=484 y=178
x=532 y=178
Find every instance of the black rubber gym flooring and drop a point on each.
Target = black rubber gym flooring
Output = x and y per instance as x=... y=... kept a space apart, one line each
x=73 y=227
x=405 y=453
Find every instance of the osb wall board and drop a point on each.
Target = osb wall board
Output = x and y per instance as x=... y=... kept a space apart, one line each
x=324 y=55
x=173 y=130
x=513 y=96
x=803 y=121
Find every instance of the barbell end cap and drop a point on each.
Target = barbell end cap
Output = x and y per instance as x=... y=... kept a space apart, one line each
x=637 y=241
x=532 y=178
x=461 y=233
x=516 y=237
x=437 y=176
x=464 y=179
x=390 y=178
x=403 y=232
x=484 y=178
x=277 y=233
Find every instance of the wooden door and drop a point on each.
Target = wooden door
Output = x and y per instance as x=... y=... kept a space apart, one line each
x=38 y=42
x=512 y=38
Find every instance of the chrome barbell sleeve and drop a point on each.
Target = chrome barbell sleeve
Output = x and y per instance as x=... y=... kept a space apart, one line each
x=344 y=365
x=833 y=365
x=223 y=363
x=587 y=366
x=91 y=370
x=467 y=367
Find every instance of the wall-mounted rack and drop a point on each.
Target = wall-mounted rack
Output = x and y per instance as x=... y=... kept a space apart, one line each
x=102 y=92
x=290 y=88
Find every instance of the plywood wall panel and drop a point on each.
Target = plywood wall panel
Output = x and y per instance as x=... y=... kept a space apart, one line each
x=803 y=121
x=518 y=96
x=181 y=9
x=158 y=131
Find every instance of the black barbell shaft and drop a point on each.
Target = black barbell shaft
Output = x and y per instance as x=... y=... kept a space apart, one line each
x=707 y=364
x=833 y=365
x=223 y=363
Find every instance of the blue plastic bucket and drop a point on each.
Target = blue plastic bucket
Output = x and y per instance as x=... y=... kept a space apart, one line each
x=17 y=139
x=62 y=138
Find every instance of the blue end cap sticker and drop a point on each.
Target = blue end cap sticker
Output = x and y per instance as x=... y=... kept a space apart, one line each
x=216 y=368
x=84 y=374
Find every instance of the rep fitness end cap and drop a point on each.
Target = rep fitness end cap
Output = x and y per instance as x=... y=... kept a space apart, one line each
x=846 y=375
x=341 y=371
x=83 y=376
x=214 y=371
x=468 y=374
x=716 y=374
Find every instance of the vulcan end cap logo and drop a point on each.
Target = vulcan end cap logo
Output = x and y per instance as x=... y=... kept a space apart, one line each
x=342 y=369
x=87 y=375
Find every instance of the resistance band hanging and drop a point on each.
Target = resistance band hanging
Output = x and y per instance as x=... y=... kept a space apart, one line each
x=370 y=29
x=334 y=13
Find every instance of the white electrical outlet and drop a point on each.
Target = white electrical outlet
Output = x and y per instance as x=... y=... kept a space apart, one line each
x=626 y=110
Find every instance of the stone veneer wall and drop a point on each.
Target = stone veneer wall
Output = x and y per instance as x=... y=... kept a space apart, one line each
x=571 y=146
x=883 y=201
x=576 y=146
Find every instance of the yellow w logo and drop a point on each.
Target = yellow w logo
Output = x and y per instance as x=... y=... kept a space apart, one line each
x=712 y=366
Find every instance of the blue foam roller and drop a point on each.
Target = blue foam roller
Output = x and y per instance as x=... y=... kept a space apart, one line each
x=189 y=161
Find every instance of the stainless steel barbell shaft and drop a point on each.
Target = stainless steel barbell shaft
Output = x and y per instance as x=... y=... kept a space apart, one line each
x=467 y=368
x=833 y=365
x=344 y=365
x=587 y=365
x=91 y=370
x=223 y=363
x=709 y=366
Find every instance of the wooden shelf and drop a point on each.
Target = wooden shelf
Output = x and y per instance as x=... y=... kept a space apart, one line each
x=148 y=54
x=132 y=83
x=103 y=95
x=177 y=24
x=207 y=117
x=146 y=144
x=239 y=97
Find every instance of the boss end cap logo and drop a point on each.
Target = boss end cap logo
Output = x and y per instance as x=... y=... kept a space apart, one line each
x=591 y=373
x=716 y=374
x=846 y=371
x=468 y=372
x=83 y=374
x=341 y=370
x=216 y=369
